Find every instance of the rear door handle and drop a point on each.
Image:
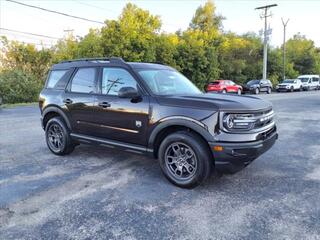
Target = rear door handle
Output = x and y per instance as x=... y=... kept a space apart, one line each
x=67 y=101
x=104 y=104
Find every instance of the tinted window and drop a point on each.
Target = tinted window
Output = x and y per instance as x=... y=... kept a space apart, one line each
x=214 y=83
x=115 y=78
x=84 y=81
x=54 y=77
x=315 y=79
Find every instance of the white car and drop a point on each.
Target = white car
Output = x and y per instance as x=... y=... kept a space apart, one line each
x=289 y=85
x=310 y=82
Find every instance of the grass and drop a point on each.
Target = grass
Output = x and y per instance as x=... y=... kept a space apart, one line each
x=12 y=105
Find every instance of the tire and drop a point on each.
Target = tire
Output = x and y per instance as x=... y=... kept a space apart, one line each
x=291 y=89
x=239 y=91
x=257 y=91
x=224 y=91
x=58 y=137
x=201 y=160
x=301 y=89
x=269 y=90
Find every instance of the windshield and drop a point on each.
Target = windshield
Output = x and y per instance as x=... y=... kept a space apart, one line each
x=304 y=79
x=253 y=82
x=288 y=81
x=167 y=82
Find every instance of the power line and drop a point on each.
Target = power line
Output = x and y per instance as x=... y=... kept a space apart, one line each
x=56 y=12
x=28 y=33
x=94 y=6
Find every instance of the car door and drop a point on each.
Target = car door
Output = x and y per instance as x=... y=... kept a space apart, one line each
x=263 y=85
x=120 y=119
x=79 y=99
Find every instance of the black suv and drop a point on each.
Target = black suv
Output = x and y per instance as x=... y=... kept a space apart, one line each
x=152 y=108
x=257 y=86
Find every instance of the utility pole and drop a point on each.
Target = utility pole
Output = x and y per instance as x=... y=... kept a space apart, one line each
x=265 y=40
x=284 y=23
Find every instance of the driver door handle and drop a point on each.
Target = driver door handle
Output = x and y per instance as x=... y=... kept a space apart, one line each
x=104 y=104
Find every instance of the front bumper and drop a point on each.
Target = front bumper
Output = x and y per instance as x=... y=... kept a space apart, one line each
x=236 y=156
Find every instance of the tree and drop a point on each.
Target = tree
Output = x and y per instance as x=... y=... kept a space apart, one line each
x=205 y=18
x=133 y=36
x=303 y=54
x=196 y=58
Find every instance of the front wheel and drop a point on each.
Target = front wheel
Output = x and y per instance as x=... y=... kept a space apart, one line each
x=185 y=159
x=57 y=137
x=291 y=89
x=239 y=91
x=224 y=91
x=269 y=90
x=256 y=91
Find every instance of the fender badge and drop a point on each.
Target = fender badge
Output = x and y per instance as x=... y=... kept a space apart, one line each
x=138 y=124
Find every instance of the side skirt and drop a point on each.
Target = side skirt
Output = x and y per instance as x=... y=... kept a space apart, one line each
x=111 y=144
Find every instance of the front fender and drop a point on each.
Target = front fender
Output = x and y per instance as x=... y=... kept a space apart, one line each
x=183 y=121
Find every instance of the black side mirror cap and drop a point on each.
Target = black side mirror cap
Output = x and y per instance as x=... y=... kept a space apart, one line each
x=128 y=92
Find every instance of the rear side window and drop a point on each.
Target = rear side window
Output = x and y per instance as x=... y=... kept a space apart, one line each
x=55 y=78
x=315 y=79
x=84 y=81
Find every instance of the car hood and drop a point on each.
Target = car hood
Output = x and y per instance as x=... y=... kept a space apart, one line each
x=214 y=101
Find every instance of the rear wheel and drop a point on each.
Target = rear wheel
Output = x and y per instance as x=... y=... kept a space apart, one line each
x=291 y=89
x=58 y=138
x=185 y=159
x=300 y=89
x=224 y=91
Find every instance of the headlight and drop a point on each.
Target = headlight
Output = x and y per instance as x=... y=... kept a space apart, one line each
x=238 y=121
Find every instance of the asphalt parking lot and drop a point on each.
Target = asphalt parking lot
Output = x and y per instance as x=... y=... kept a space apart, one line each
x=98 y=193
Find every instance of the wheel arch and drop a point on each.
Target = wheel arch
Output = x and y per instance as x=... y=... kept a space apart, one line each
x=53 y=111
x=167 y=127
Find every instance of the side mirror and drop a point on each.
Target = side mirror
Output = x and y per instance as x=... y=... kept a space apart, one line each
x=128 y=92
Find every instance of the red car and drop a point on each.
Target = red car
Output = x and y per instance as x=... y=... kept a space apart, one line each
x=224 y=86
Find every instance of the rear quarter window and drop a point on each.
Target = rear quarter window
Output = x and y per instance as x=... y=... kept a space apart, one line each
x=57 y=79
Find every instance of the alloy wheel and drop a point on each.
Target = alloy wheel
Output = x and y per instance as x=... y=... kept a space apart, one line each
x=55 y=137
x=181 y=161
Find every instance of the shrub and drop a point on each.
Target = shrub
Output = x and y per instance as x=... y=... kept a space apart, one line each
x=18 y=86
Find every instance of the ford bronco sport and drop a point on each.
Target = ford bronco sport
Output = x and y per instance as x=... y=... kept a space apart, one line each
x=152 y=108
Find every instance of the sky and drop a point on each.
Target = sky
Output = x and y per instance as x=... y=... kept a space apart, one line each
x=241 y=17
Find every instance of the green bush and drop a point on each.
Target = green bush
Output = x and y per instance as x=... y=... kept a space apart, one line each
x=17 y=86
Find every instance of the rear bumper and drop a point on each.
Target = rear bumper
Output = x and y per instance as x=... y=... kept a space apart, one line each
x=236 y=156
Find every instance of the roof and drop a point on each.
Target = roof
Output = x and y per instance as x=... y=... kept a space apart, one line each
x=113 y=61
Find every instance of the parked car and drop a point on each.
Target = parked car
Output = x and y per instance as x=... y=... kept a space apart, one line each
x=153 y=109
x=310 y=82
x=289 y=85
x=257 y=86
x=224 y=86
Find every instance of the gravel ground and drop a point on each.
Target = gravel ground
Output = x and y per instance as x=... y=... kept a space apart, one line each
x=98 y=193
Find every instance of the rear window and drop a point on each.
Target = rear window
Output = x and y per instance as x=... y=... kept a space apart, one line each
x=84 y=81
x=215 y=83
x=55 y=79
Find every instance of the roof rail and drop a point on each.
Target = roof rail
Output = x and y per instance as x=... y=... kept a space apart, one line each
x=118 y=60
